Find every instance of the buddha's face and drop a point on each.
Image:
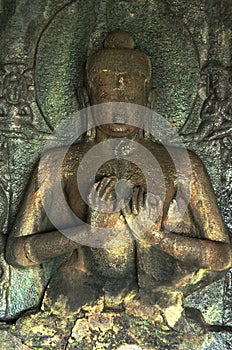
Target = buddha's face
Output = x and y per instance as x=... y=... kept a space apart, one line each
x=13 y=88
x=118 y=87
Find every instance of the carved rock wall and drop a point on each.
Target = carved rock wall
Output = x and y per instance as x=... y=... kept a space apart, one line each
x=44 y=48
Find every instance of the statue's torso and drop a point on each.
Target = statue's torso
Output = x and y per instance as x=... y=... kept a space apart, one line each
x=159 y=178
x=130 y=261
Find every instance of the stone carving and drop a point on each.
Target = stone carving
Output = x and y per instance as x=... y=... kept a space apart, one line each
x=4 y=216
x=4 y=186
x=15 y=105
x=215 y=91
x=18 y=107
x=226 y=178
x=153 y=267
x=160 y=29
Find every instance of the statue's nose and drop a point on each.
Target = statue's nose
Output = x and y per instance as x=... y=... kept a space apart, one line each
x=119 y=118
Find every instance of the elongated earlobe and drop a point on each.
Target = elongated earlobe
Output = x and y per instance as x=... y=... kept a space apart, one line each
x=83 y=98
x=151 y=99
x=150 y=105
x=84 y=102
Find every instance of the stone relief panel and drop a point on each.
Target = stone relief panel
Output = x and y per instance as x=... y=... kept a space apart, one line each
x=215 y=127
x=19 y=113
x=31 y=104
x=22 y=120
x=5 y=199
x=215 y=91
x=212 y=141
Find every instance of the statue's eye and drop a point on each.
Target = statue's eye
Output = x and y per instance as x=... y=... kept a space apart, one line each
x=106 y=95
x=103 y=95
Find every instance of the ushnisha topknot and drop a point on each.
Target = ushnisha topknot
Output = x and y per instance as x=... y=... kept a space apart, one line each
x=118 y=56
x=119 y=40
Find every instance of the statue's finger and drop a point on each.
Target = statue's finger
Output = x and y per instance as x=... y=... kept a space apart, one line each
x=103 y=183
x=152 y=199
x=97 y=186
x=109 y=193
x=135 y=210
x=102 y=189
x=160 y=206
x=141 y=196
x=151 y=206
x=126 y=210
x=93 y=197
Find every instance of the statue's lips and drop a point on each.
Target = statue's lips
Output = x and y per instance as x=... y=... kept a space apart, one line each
x=122 y=128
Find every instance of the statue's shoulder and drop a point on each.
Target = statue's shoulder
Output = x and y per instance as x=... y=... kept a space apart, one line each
x=179 y=155
x=165 y=150
x=66 y=158
x=154 y=147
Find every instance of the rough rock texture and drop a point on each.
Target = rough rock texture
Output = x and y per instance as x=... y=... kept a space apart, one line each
x=93 y=328
x=44 y=48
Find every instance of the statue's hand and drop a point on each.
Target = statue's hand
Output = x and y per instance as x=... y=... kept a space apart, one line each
x=144 y=217
x=102 y=200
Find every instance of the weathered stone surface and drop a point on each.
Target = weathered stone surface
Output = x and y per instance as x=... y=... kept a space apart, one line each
x=155 y=30
x=46 y=43
x=10 y=342
x=204 y=301
x=92 y=328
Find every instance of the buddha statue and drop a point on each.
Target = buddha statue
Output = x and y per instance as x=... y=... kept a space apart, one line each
x=151 y=263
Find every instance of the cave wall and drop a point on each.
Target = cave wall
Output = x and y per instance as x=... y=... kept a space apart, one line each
x=44 y=45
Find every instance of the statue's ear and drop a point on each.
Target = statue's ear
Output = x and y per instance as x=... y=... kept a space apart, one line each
x=151 y=98
x=151 y=105
x=83 y=98
x=84 y=102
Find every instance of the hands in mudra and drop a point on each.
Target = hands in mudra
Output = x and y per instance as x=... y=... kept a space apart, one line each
x=141 y=211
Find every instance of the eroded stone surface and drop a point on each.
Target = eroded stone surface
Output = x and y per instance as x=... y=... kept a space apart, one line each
x=22 y=25
x=92 y=327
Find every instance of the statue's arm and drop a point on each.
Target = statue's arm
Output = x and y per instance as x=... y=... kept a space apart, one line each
x=33 y=239
x=37 y=248
x=202 y=253
x=212 y=251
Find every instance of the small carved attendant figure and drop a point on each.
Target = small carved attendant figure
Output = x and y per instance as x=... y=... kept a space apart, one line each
x=151 y=263
x=216 y=120
x=14 y=110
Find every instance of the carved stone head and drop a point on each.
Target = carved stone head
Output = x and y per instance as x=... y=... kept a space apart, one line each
x=118 y=73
